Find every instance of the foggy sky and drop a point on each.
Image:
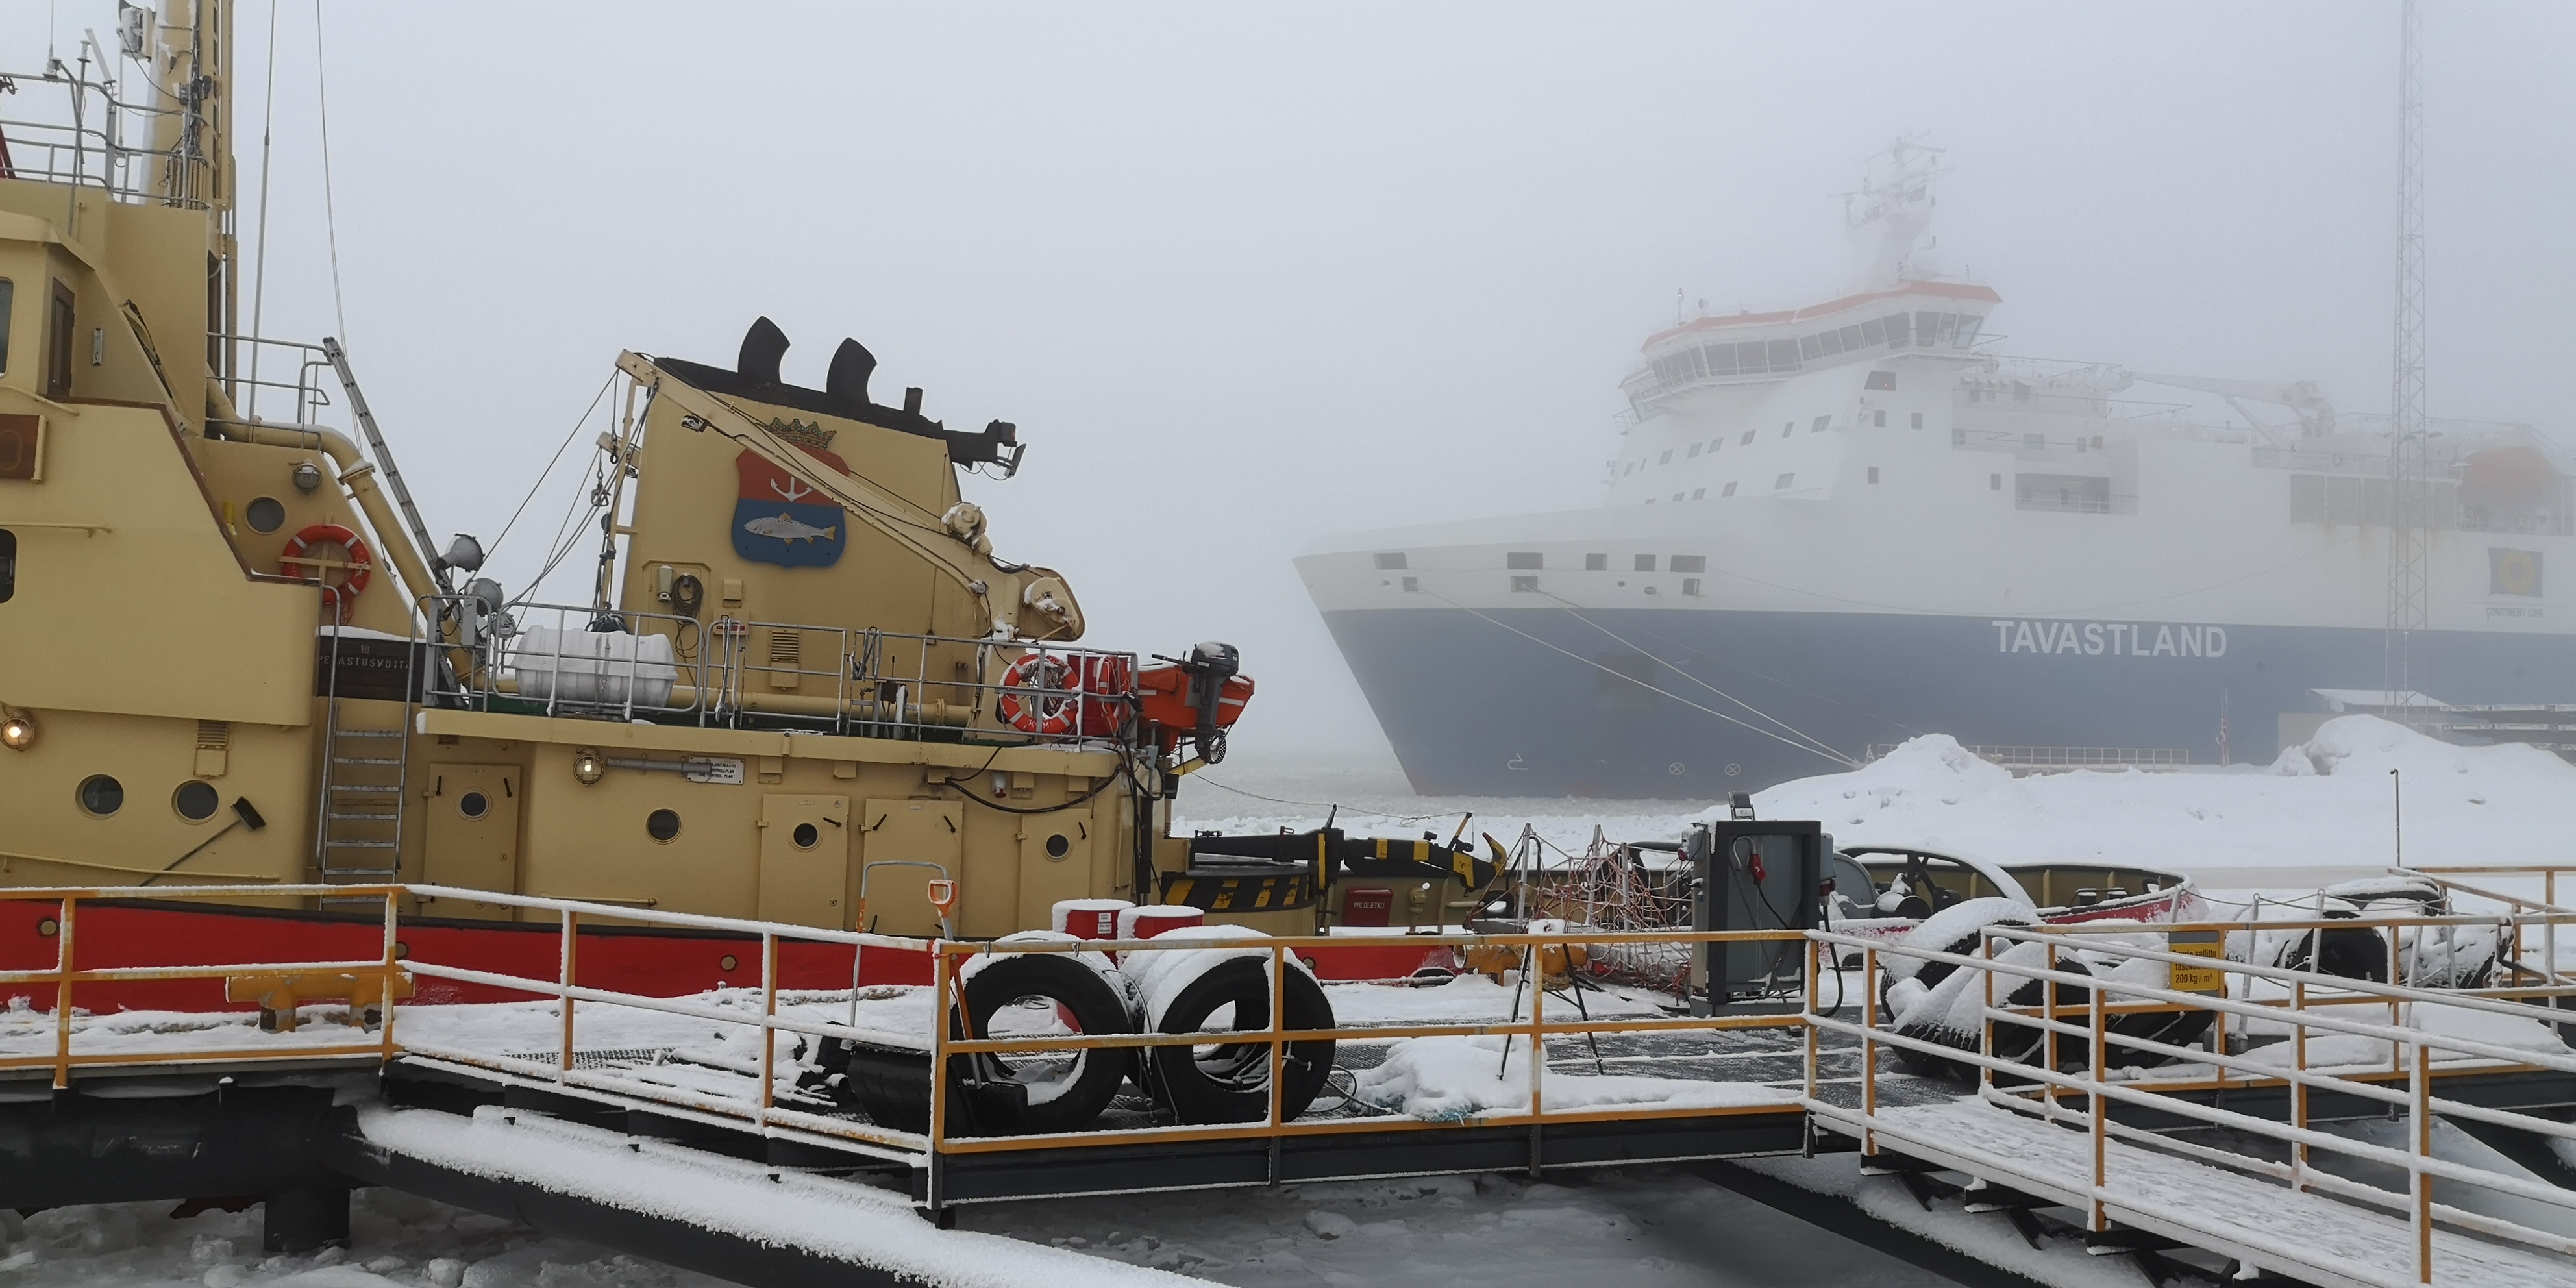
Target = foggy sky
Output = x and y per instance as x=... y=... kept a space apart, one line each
x=1245 y=276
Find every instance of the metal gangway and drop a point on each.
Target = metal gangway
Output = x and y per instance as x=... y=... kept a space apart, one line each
x=2051 y=1097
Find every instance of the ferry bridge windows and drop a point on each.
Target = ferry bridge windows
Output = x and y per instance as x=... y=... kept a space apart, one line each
x=1896 y=337
x=1784 y=355
x=1524 y=585
x=1811 y=347
x=99 y=795
x=662 y=825
x=1645 y=563
x=1782 y=483
x=1872 y=332
x=195 y=800
x=1690 y=563
x=1829 y=341
x=1596 y=563
x=1529 y=560
x=1387 y=562
x=1849 y=335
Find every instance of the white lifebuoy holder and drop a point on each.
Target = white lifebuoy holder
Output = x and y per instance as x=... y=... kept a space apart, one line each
x=361 y=564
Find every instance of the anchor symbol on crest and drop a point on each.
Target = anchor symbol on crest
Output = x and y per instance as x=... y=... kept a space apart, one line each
x=793 y=490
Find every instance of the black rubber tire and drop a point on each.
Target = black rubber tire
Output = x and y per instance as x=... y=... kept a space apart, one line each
x=2173 y=1028
x=2346 y=954
x=2017 y=1042
x=1231 y=1084
x=893 y=1086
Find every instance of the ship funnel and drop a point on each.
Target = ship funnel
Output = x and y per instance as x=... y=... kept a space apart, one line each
x=762 y=346
x=852 y=364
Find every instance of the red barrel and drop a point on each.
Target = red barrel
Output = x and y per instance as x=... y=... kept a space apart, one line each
x=1091 y=918
x=1154 y=919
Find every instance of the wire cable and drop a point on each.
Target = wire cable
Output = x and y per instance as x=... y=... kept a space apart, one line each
x=1814 y=742
x=330 y=214
x=259 y=275
x=551 y=461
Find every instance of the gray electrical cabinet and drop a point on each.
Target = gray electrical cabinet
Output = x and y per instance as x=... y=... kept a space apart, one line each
x=1754 y=875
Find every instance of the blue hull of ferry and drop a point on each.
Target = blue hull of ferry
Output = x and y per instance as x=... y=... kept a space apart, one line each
x=1473 y=708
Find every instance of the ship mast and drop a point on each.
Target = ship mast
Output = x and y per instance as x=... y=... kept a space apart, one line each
x=2409 y=515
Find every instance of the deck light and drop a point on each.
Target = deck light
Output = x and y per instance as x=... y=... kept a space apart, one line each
x=587 y=766
x=19 y=730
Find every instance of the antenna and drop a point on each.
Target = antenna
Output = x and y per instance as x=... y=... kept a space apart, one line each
x=2408 y=511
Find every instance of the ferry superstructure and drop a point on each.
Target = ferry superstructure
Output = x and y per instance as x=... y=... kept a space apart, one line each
x=1835 y=527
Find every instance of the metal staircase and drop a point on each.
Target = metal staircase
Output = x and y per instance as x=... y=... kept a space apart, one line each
x=359 y=840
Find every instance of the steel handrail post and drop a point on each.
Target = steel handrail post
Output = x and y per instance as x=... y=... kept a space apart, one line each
x=564 y=977
x=2549 y=940
x=1814 y=955
x=2047 y=1014
x=1986 y=1020
x=1278 y=1019
x=63 y=994
x=2419 y=1142
x=2395 y=1014
x=2100 y=1113
x=1869 y=1050
x=385 y=981
x=938 y=1129
x=768 y=1025
x=2298 y=1085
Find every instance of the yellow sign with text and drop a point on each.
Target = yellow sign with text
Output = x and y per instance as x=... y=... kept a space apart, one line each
x=2196 y=979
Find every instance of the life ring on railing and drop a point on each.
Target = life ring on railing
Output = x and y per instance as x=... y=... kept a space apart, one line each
x=1041 y=694
x=360 y=563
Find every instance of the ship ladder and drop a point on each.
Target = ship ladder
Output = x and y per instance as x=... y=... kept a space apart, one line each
x=357 y=837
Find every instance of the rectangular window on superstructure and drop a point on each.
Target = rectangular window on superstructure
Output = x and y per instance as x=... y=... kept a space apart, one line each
x=1645 y=563
x=1412 y=585
x=1699 y=494
x=1690 y=563
x=1788 y=429
x=1968 y=324
x=1666 y=459
x=1782 y=483
x=1829 y=341
x=1897 y=332
x=1873 y=332
x=58 y=346
x=1958 y=436
x=1748 y=439
x=1716 y=443
x=1596 y=563
x=1878 y=420
x=1918 y=420
x=1873 y=474
x=1811 y=347
x=2307 y=498
x=1690 y=586
x=1677 y=496
x=1389 y=562
x=1524 y=585
x=1926 y=326
x=8 y=297
x=1949 y=327
x=1721 y=359
x=8 y=564
x=1994 y=482
x=1822 y=424
x=1851 y=337
x=1749 y=359
x=1525 y=559
x=2034 y=442
x=1729 y=490
x=1694 y=451
x=1784 y=355
x=1880 y=380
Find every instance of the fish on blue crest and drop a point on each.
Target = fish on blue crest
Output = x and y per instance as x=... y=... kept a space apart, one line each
x=786 y=528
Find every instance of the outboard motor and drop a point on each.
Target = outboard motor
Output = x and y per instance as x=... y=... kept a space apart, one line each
x=1209 y=666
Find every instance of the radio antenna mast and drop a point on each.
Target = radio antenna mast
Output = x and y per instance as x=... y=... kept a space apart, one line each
x=2409 y=513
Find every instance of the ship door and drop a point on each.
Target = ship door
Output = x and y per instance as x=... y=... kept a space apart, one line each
x=1055 y=863
x=471 y=836
x=805 y=860
x=900 y=842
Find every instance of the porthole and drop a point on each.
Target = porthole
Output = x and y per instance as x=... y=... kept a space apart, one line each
x=473 y=804
x=264 y=515
x=100 y=795
x=806 y=836
x=662 y=824
x=727 y=962
x=1057 y=846
x=48 y=928
x=196 y=800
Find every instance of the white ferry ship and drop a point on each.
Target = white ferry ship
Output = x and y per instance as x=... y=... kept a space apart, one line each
x=1831 y=528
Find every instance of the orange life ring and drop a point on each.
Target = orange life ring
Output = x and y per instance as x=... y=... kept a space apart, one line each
x=361 y=563
x=1040 y=694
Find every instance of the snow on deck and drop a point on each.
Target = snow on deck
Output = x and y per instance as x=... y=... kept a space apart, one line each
x=2307 y=1235
x=857 y=1223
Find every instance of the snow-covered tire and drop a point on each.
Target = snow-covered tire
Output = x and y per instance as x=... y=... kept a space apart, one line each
x=1007 y=1095
x=2346 y=953
x=1230 y=1082
x=2015 y=1041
